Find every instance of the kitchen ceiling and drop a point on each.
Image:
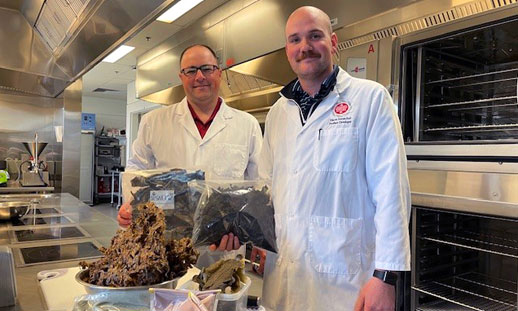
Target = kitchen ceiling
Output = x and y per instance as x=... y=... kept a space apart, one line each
x=116 y=76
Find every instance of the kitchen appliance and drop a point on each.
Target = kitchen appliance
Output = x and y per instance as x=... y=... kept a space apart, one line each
x=41 y=220
x=458 y=106
x=60 y=251
x=7 y=277
x=51 y=233
x=33 y=172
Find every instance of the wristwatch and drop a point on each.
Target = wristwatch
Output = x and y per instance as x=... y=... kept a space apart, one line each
x=389 y=277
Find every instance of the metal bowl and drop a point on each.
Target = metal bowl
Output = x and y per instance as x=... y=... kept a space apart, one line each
x=95 y=289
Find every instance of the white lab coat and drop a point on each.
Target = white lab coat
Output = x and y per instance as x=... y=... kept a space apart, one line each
x=341 y=197
x=169 y=138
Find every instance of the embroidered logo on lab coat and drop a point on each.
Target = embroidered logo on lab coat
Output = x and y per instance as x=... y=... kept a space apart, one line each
x=341 y=109
x=342 y=116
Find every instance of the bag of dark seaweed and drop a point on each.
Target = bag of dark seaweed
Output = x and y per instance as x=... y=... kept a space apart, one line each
x=168 y=189
x=241 y=207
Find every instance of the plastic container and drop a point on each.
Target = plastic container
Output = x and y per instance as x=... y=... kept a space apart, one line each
x=227 y=302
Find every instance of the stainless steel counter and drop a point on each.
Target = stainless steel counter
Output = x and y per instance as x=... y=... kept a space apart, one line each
x=14 y=187
x=97 y=227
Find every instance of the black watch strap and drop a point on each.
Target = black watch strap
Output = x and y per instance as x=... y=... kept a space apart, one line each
x=388 y=277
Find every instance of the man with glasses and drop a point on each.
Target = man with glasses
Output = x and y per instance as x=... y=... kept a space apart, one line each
x=200 y=132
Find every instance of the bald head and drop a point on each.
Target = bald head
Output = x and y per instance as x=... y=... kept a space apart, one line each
x=310 y=45
x=313 y=13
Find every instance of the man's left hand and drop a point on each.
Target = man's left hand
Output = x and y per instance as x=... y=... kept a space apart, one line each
x=229 y=242
x=376 y=296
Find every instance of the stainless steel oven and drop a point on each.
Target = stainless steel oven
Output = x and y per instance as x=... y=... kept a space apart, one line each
x=457 y=100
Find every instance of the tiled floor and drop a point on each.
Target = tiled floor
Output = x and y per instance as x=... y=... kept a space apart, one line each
x=107 y=209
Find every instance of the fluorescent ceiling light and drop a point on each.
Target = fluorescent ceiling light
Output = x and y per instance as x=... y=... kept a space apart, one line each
x=118 y=53
x=177 y=10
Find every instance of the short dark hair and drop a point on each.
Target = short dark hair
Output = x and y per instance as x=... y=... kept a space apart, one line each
x=203 y=45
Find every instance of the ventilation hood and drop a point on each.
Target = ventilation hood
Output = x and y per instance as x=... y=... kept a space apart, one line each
x=48 y=44
x=249 y=86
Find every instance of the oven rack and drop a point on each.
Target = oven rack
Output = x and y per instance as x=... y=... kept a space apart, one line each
x=473 y=76
x=477 y=241
x=442 y=305
x=472 y=291
x=484 y=83
x=477 y=101
x=511 y=105
x=476 y=128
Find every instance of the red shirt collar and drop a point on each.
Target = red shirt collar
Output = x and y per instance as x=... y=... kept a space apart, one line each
x=204 y=127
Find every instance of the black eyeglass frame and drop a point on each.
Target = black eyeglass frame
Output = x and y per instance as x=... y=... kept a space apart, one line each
x=205 y=69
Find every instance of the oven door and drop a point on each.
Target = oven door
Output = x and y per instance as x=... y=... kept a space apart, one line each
x=458 y=90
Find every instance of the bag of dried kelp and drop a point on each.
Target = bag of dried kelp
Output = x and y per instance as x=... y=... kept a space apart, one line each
x=241 y=207
x=169 y=190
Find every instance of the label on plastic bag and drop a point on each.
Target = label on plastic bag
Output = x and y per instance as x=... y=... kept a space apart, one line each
x=162 y=198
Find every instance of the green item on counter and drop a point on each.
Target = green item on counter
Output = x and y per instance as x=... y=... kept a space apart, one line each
x=4 y=176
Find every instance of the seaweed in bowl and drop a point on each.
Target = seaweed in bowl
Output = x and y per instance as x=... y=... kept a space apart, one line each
x=140 y=255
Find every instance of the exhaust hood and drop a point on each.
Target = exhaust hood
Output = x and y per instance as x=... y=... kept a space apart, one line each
x=250 y=86
x=48 y=44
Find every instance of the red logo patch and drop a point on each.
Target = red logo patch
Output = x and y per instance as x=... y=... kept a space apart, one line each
x=341 y=108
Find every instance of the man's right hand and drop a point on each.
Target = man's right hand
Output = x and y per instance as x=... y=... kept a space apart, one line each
x=124 y=216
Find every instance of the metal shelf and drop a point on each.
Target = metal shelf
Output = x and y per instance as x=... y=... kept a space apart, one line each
x=107 y=156
x=493 y=127
x=485 y=100
x=473 y=76
x=473 y=291
x=441 y=305
x=512 y=105
x=483 y=83
x=480 y=242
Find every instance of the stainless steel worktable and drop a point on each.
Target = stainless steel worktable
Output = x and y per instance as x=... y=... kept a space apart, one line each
x=96 y=225
x=98 y=228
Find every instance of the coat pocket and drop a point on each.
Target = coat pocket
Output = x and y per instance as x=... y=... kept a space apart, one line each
x=334 y=244
x=336 y=150
x=230 y=160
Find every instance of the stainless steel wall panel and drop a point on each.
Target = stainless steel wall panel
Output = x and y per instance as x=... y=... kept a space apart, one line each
x=476 y=186
x=72 y=138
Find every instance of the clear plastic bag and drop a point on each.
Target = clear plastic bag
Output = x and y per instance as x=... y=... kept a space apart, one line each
x=241 y=207
x=182 y=300
x=169 y=190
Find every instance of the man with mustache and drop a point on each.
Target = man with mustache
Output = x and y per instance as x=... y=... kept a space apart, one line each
x=334 y=151
x=200 y=132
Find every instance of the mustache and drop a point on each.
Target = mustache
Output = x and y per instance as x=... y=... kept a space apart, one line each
x=308 y=54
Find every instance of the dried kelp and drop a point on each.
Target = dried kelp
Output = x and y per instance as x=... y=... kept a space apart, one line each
x=181 y=255
x=139 y=256
x=179 y=216
x=226 y=275
x=244 y=211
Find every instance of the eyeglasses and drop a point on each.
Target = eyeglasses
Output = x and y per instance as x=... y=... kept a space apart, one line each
x=205 y=70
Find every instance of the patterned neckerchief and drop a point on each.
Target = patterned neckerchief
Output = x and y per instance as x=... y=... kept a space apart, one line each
x=306 y=103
